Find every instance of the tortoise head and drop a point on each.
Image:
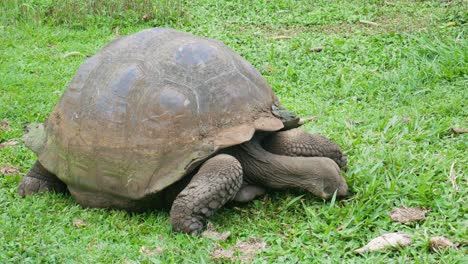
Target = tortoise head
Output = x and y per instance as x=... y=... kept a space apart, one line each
x=289 y=118
x=34 y=136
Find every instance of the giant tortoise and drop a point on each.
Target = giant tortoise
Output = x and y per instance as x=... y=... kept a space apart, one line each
x=163 y=118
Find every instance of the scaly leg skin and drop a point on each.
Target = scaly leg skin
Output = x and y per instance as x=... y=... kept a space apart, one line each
x=298 y=143
x=216 y=183
x=38 y=180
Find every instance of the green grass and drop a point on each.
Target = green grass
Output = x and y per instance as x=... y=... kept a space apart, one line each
x=388 y=93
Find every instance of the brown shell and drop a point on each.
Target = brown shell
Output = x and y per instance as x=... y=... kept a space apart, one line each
x=149 y=108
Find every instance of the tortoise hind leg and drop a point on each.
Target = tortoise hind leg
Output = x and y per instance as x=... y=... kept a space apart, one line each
x=298 y=143
x=38 y=180
x=216 y=183
x=248 y=192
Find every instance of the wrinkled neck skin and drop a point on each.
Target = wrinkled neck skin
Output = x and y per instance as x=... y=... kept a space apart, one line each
x=318 y=175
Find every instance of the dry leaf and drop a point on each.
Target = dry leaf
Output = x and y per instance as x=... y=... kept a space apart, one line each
x=451 y=24
x=281 y=37
x=72 y=54
x=150 y=251
x=384 y=241
x=117 y=31
x=408 y=214
x=406 y=119
x=4 y=125
x=370 y=23
x=79 y=223
x=270 y=68
x=317 y=49
x=93 y=244
x=355 y=122
x=8 y=169
x=147 y=17
x=459 y=130
x=453 y=177
x=241 y=210
x=211 y=233
x=8 y=143
x=439 y=243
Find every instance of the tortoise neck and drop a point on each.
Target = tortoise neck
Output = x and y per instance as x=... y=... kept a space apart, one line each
x=267 y=169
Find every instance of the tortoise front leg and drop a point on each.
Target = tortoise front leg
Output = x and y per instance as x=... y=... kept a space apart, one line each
x=38 y=180
x=318 y=175
x=298 y=143
x=216 y=183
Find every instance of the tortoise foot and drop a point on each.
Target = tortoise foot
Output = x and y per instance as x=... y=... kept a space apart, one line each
x=39 y=180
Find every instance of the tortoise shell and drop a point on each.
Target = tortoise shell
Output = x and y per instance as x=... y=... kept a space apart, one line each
x=149 y=108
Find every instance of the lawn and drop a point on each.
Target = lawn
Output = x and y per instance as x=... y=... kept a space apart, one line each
x=390 y=86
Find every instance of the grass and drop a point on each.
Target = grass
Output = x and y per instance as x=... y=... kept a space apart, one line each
x=389 y=93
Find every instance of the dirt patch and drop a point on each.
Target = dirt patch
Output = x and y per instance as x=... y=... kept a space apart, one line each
x=243 y=251
x=223 y=254
x=251 y=247
x=211 y=233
